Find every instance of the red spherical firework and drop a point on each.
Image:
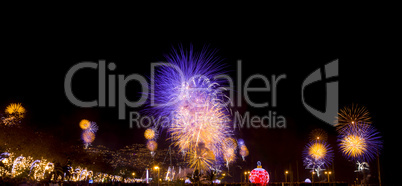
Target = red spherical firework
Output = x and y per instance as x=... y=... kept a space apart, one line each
x=259 y=175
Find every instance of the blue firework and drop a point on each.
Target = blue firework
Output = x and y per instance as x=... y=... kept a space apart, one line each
x=185 y=69
x=360 y=142
x=317 y=154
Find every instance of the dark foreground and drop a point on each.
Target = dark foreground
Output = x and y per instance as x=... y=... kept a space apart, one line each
x=175 y=184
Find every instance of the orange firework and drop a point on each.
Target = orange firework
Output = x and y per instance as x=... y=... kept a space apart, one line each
x=84 y=124
x=244 y=152
x=152 y=145
x=88 y=136
x=149 y=134
x=15 y=108
x=15 y=113
x=229 y=149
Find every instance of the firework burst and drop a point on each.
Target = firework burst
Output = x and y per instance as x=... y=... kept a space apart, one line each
x=93 y=127
x=15 y=108
x=187 y=91
x=243 y=150
x=149 y=134
x=88 y=136
x=88 y=133
x=352 y=115
x=200 y=158
x=360 y=142
x=317 y=155
x=318 y=134
x=84 y=124
x=152 y=145
x=202 y=125
x=229 y=150
x=15 y=113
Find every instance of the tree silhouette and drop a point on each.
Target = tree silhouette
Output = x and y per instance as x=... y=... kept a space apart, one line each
x=194 y=177
x=210 y=175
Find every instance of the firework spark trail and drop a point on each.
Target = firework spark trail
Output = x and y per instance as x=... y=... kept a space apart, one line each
x=360 y=142
x=187 y=91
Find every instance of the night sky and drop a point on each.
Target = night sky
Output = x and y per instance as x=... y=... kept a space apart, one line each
x=36 y=60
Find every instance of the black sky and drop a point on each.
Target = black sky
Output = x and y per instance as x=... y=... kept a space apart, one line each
x=35 y=61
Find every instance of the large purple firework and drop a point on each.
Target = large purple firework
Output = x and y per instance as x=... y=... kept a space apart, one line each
x=184 y=70
x=189 y=92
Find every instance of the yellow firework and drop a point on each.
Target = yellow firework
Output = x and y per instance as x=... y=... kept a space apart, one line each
x=317 y=151
x=200 y=158
x=206 y=125
x=15 y=113
x=352 y=115
x=353 y=145
x=15 y=108
x=85 y=124
x=149 y=134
